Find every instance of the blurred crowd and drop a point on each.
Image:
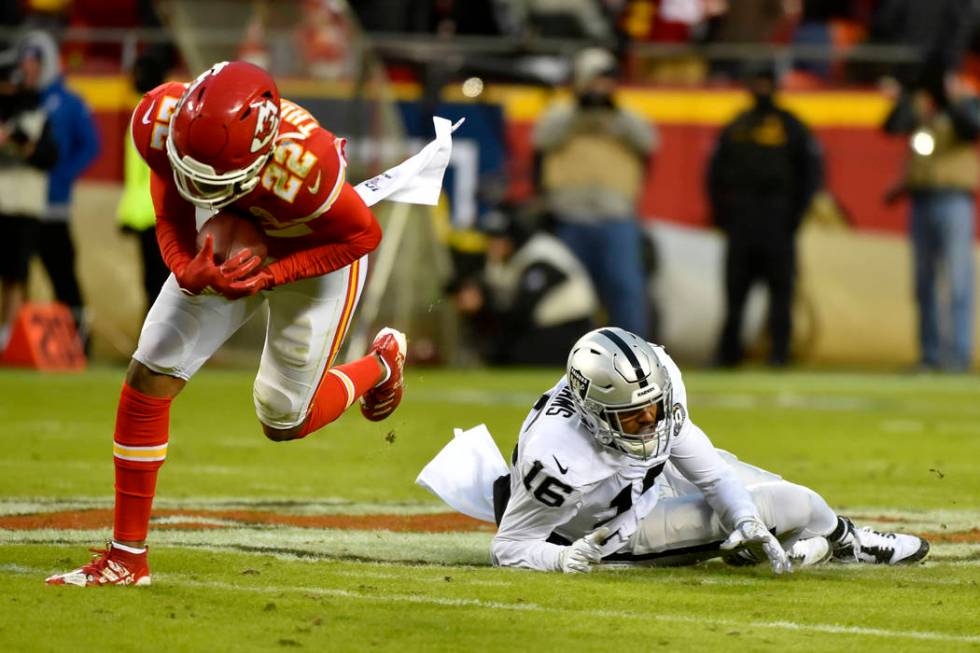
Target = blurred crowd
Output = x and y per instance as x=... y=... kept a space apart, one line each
x=575 y=254
x=658 y=41
x=684 y=29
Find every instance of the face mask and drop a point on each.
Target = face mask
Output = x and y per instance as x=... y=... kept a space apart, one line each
x=591 y=100
x=763 y=101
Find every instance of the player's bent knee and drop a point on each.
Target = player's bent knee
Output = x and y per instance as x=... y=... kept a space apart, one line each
x=281 y=435
x=275 y=407
x=784 y=506
x=142 y=379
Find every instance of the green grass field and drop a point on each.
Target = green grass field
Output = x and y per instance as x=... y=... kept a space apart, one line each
x=327 y=544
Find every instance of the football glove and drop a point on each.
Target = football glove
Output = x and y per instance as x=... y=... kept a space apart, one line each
x=240 y=276
x=754 y=535
x=249 y=285
x=584 y=552
x=200 y=272
x=240 y=265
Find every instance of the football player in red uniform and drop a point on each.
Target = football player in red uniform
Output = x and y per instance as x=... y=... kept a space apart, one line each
x=227 y=141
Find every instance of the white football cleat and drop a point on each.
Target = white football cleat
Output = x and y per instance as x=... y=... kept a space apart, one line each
x=868 y=546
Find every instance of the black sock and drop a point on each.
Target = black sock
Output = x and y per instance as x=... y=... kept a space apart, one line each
x=843 y=528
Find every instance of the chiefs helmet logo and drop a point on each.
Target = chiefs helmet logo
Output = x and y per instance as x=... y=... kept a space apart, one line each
x=266 y=123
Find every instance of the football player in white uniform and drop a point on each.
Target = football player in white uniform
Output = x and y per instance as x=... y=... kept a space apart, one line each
x=609 y=467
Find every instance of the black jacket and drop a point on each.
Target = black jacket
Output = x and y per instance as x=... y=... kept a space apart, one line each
x=763 y=173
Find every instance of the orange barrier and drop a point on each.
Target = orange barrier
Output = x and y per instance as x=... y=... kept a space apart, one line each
x=44 y=337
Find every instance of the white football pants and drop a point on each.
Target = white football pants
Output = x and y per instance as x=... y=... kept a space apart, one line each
x=308 y=320
x=683 y=528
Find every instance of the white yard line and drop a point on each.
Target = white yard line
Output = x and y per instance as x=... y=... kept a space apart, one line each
x=313 y=544
x=283 y=505
x=953 y=520
x=601 y=614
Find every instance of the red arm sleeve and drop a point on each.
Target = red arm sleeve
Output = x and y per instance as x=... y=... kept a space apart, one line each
x=176 y=229
x=347 y=232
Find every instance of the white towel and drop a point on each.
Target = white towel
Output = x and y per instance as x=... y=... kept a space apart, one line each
x=418 y=179
x=462 y=474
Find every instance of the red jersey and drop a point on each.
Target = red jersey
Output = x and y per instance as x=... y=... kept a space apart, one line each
x=313 y=219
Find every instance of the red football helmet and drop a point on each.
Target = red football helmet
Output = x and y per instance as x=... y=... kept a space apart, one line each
x=222 y=133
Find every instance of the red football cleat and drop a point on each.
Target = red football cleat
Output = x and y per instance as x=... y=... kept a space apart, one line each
x=382 y=400
x=110 y=566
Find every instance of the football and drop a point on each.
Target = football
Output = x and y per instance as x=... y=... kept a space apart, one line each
x=232 y=233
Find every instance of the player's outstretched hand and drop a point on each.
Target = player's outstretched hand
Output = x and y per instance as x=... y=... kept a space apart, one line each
x=584 y=552
x=200 y=272
x=753 y=534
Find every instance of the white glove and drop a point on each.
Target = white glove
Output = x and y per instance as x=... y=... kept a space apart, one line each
x=753 y=534
x=584 y=552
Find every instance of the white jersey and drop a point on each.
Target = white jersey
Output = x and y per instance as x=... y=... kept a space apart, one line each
x=565 y=483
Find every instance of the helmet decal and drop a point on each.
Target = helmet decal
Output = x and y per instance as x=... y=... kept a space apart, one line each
x=641 y=377
x=578 y=383
x=266 y=124
x=680 y=416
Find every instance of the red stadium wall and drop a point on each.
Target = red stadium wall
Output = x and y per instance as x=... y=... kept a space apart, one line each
x=862 y=163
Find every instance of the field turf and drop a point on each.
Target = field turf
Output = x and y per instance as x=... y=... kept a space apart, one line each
x=327 y=544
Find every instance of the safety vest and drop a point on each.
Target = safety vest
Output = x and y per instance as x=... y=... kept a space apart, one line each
x=135 y=208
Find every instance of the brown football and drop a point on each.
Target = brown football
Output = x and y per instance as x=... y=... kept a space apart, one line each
x=232 y=233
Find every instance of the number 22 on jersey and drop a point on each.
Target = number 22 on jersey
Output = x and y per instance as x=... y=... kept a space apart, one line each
x=290 y=165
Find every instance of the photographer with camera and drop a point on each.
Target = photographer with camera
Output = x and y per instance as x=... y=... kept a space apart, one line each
x=27 y=151
x=941 y=119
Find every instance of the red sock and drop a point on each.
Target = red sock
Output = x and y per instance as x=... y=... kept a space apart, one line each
x=139 y=449
x=340 y=387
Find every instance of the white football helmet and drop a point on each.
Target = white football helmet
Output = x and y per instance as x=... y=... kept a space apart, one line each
x=611 y=373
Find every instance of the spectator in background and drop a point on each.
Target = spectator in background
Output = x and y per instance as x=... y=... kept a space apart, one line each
x=591 y=162
x=749 y=21
x=815 y=29
x=135 y=210
x=532 y=300
x=942 y=121
x=761 y=178
x=27 y=149
x=74 y=132
x=940 y=30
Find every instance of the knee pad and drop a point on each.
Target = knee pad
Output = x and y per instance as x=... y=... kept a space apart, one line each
x=164 y=347
x=787 y=507
x=274 y=406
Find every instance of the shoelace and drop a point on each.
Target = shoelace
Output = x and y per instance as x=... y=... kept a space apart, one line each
x=870 y=531
x=100 y=559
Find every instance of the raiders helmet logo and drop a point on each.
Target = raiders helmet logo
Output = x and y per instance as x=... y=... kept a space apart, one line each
x=266 y=123
x=578 y=383
x=679 y=415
